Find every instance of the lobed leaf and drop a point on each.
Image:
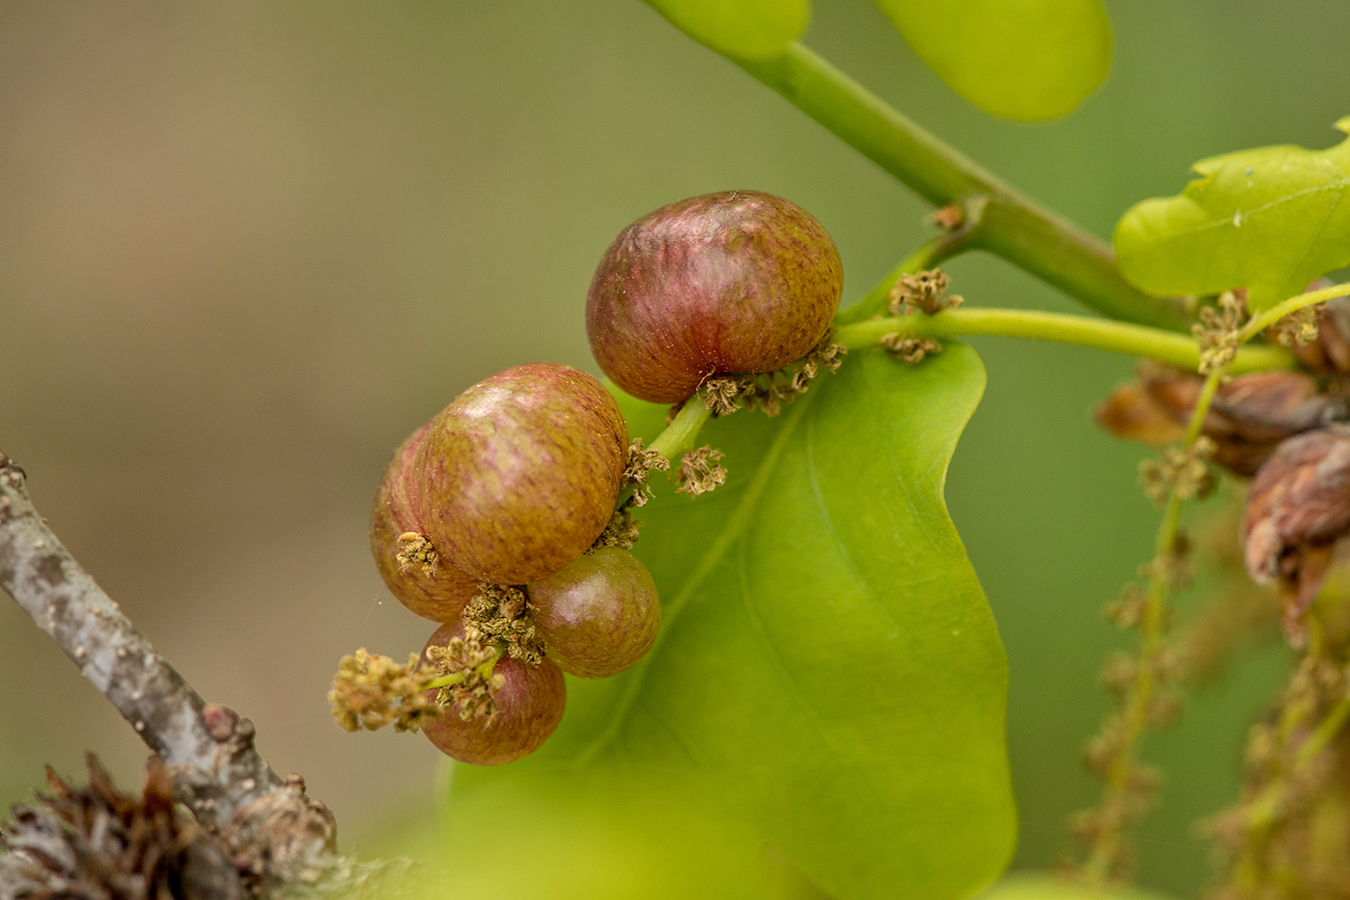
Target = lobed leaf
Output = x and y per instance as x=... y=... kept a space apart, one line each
x=746 y=29
x=828 y=691
x=1028 y=60
x=1271 y=219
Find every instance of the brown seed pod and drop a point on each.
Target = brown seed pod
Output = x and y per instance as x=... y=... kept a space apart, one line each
x=527 y=705
x=1130 y=413
x=1297 y=508
x=519 y=473
x=733 y=282
x=599 y=615
x=1249 y=416
x=424 y=583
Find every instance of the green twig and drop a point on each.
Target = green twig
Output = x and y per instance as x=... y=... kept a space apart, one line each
x=1013 y=227
x=680 y=434
x=1299 y=739
x=1107 y=841
x=1263 y=320
x=1102 y=334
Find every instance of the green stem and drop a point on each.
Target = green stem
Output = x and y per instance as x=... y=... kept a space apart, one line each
x=1202 y=403
x=1269 y=802
x=1251 y=867
x=1263 y=320
x=680 y=434
x=1327 y=729
x=484 y=669
x=1014 y=226
x=1134 y=722
x=1102 y=334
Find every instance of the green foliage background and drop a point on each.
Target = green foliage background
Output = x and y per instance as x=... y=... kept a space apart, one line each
x=244 y=251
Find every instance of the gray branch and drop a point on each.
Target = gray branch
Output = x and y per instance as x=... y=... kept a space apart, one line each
x=208 y=749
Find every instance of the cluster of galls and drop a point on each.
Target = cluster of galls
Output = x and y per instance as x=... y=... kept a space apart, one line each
x=501 y=518
x=483 y=522
x=1286 y=431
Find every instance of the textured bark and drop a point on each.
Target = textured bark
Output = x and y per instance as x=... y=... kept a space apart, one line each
x=273 y=832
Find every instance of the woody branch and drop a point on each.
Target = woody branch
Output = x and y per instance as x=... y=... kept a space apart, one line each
x=208 y=749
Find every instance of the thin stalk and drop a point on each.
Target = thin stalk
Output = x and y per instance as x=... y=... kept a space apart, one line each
x=1267 y=806
x=674 y=441
x=1322 y=735
x=483 y=669
x=1085 y=331
x=1263 y=320
x=678 y=437
x=1264 y=814
x=1106 y=842
x=1014 y=226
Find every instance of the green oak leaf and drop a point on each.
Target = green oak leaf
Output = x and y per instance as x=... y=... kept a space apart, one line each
x=745 y=29
x=1028 y=886
x=1027 y=60
x=1271 y=219
x=828 y=689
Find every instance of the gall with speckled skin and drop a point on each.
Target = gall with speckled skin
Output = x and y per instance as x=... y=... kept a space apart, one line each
x=599 y=615
x=739 y=281
x=528 y=707
x=438 y=593
x=519 y=473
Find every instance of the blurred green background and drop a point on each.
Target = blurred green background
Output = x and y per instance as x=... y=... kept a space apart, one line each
x=246 y=248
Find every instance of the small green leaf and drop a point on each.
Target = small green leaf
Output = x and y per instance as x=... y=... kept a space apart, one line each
x=1028 y=60
x=1270 y=219
x=1026 y=886
x=746 y=29
x=828 y=687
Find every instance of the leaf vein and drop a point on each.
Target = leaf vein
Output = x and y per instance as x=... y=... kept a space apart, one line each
x=736 y=525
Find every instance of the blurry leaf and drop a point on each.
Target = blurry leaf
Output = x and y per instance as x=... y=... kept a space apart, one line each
x=748 y=29
x=1028 y=60
x=528 y=833
x=1272 y=219
x=828 y=685
x=1048 y=887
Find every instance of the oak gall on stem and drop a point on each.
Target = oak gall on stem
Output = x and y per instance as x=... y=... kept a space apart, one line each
x=411 y=569
x=520 y=472
x=734 y=282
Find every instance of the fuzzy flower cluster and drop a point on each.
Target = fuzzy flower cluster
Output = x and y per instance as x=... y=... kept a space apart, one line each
x=700 y=472
x=371 y=691
x=501 y=613
x=466 y=662
x=641 y=463
x=923 y=292
x=771 y=391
